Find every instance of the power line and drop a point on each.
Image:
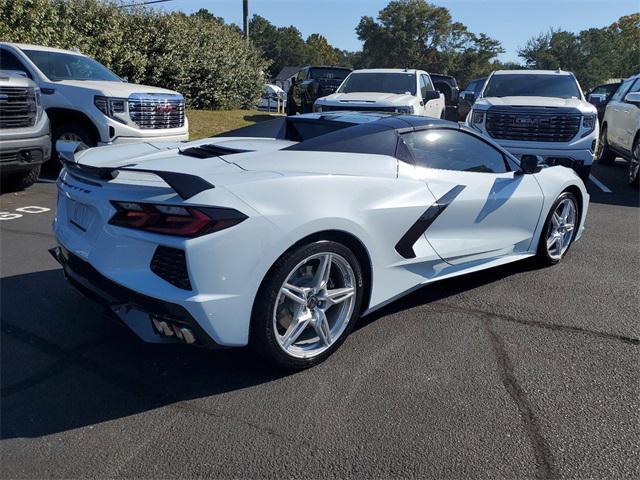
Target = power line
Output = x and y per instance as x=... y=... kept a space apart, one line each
x=149 y=2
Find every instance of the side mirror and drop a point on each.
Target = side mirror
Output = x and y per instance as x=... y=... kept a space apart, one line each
x=596 y=99
x=633 y=97
x=430 y=95
x=293 y=81
x=468 y=95
x=530 y=164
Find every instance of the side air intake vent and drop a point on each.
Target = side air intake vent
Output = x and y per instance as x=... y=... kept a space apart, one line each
x=170 y=265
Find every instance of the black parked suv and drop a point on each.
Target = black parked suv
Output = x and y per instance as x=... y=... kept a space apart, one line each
x=311 y=83
x=447 y=85
x=469 y=95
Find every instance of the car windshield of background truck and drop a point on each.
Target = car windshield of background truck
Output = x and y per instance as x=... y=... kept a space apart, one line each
x=65 y=66
x=380 y=83
x=531 y=85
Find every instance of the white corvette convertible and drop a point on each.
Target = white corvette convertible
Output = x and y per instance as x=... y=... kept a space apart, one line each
x=281 y=234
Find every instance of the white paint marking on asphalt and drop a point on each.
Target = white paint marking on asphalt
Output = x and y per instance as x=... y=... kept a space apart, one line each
x=599 y=184
x=46 y=180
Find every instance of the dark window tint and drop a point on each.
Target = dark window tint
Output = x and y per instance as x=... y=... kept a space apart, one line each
x=533 y=85
x=606 y=90
x=64 y=66
x=622 y=91
x=449 y=149
x=380 y=82
x=8 y=61
x=329 y=73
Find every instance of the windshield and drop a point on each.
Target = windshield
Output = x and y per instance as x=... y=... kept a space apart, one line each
x=532 y=85
x=65 y=66
x=329 y=73
x=379 y=82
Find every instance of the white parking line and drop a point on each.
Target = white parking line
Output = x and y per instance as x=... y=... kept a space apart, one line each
x=46 y=180
x=599 y=184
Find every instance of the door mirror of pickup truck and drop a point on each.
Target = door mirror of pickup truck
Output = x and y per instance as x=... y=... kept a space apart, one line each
x=633 y=97
x=468 y=96
x=430 y=95
x=596 y=99
x=530 y=164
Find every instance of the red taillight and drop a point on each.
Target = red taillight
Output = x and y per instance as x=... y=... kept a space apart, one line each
x=183 y=221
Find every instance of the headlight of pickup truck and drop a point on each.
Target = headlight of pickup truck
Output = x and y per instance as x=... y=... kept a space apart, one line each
x=477 y=118
x=39 y=107
x=408 y=109
x=112 y=107
x=589 y=122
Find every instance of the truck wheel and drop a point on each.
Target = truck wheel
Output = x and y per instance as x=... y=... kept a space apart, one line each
x=22 y=180
x=605 y=155
x=634 y=165
x=73 y=132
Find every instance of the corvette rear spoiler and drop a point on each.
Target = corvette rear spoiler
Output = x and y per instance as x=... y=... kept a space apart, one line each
x=184 y=184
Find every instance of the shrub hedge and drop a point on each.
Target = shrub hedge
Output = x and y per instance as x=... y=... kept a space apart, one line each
x=208 y=62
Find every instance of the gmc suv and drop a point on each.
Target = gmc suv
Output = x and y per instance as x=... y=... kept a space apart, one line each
x=620 y=133
x=24 y=131
x=88 y=103
x=538 y=112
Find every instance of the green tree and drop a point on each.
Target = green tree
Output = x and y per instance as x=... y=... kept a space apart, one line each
x=417 y=34
x=319 y=52
x=593 y=55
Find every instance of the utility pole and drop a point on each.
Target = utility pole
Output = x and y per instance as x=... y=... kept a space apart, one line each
x=245 y=19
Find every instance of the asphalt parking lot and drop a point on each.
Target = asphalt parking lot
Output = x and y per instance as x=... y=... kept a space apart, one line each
x=515 y=372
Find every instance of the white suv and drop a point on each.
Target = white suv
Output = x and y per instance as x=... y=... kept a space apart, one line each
x=88 y=103
x=386 y=90
x=620 y=132
x=538 y=112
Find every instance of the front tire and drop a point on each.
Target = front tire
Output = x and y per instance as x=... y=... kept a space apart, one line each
x=605 y=155
x=73 y=132
x=22 y=180
x=634 y=165
x=307 y=305
x=559 y=230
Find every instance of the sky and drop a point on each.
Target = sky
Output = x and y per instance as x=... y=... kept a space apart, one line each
x=512 y=22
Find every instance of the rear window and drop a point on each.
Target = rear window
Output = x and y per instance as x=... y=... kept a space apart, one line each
x=379 y=83
x=329 y=73
x=532 y=85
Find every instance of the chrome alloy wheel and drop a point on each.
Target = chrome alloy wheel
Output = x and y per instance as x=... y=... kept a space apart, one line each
x=314 y=305
x=563 y=222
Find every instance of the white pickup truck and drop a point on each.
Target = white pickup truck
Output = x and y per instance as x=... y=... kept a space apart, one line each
x=386 y=90
x=538 y=112
x=24 y=131
x=88 y=103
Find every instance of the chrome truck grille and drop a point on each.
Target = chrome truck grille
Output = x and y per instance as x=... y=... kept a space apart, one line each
x=153 y=111
x=533 y=124
x=17 y=107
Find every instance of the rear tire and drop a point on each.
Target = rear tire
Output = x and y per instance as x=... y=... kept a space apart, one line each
x=605 y=155
x=562 y=229
x=288 y=325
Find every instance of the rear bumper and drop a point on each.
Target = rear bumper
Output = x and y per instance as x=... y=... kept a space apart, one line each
x=134 y=309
